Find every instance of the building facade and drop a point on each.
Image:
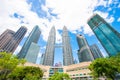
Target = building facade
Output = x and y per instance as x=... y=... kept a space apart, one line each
x=33 y=37
x=96 y=51
x=67 y=50
x=50 y=48
x=108 y=37
x=5 y=37
x=15 y=40
x=75 y=71
x=32 y=53
x=84 y=53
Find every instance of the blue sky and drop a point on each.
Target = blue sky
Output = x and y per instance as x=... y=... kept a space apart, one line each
x=59 y=13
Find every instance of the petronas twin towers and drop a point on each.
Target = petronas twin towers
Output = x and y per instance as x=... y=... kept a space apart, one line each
x=50 y=48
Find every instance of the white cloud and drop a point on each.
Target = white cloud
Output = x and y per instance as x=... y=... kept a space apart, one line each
x=110 y=20
x=102 y=14
x=72 y=13
x=105 y=16
x=119 y=6
x=8 y=8
x=118 y=20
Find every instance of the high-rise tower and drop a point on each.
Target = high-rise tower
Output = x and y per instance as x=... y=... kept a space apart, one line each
x=32 y=53
x=33 y=37
x=15 y=40
x=5 y=37
x=108 y=37
x=50 y=48
x=95 y=51
x=67 y=50
x=84 y=53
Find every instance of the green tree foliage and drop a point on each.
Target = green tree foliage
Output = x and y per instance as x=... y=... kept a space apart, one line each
x=26 y=73
x=7 y=64
x=105 y=67
x=60 y=76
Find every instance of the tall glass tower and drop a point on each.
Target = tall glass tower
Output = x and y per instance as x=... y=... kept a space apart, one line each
x=33 y=37
x=84 y=53
x=108 y=37
x=32 y=53
x=67 y=50
x=50 y=48
x=15 y=40
x=95 y=51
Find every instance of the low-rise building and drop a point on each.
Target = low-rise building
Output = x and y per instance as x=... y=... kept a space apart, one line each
x=75 y=71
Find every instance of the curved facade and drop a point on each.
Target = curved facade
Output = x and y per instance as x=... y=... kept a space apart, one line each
x=84 y=53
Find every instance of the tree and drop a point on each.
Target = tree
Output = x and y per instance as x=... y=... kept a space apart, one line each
x=60 y=76
x=7 y=64
x=26 y=73
x=105 y=67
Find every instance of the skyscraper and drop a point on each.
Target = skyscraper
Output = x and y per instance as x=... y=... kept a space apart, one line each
x=108 y=37
x=96 y=51
x=5 y=37
x=33 y=37
x=50 y=48
x=67 y=50
x=15 y=40
x=32 y=53
x=84 y=53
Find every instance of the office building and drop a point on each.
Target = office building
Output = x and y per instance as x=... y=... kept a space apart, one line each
x=50 y=48
x=67 y=50
x=84 y=53
x=5 y=37
x=108 y=36
x=96 y=51
x=78 y=71
x=33 y=37
x=32 y=53
x=15 y=40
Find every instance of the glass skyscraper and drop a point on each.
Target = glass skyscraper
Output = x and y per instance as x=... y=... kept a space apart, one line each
x=13 y=39
x=33 y=37
x=108 y=37
x=50 y=48
x=67 y=50
x=96 y=51
x=84 y=53
x=32 y=53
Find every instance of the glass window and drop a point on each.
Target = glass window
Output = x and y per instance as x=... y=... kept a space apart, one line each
x=105 y=42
